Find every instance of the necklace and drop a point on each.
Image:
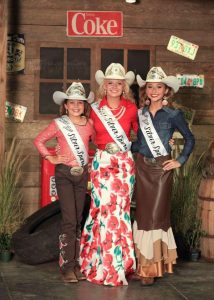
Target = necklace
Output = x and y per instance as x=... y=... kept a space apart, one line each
x=119 y=114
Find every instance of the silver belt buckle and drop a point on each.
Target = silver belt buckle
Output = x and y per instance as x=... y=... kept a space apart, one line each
x=112 y=148
x=76 y=171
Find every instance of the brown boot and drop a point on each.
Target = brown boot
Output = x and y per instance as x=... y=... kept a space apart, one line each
x=69 y=276
x=79 y=275
x=147 y=281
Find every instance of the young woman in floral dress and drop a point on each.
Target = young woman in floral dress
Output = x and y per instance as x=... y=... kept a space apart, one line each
x=107 y=250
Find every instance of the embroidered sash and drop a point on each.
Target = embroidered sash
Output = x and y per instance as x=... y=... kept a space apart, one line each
x=112 y=126
x=152 y=138
x=73 y=139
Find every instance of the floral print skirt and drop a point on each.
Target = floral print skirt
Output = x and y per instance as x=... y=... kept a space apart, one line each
x=106 y=247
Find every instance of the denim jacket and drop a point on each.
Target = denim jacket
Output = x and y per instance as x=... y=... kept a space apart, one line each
x=166 y=121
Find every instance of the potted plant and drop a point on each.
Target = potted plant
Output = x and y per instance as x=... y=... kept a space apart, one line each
x=185 y=214
x=5 y=247
x=193 y=237
x=11 y=214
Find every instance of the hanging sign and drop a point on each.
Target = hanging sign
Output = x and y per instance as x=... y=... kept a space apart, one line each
x=182 y=47
x=14 y=111
x=94 y=23
x=15 y=53
x=191 y=80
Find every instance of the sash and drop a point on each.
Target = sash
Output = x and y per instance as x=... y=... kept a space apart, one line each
x=152 y=138
x=73 y=139
x=112 y=126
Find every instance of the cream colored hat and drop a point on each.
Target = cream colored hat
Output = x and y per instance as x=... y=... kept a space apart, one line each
x=75 y=91
x=115 y=71
x=156 y=74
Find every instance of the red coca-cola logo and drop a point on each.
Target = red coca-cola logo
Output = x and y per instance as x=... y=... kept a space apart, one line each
x=95 y=23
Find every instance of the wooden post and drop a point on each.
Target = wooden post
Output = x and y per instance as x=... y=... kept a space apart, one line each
x=3 y=61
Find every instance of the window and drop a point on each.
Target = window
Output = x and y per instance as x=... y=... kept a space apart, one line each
x=62 y=64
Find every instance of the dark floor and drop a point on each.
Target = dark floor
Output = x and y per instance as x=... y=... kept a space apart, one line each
x=191 y=280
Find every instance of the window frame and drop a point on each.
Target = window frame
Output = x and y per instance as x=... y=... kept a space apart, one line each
x=95 y=59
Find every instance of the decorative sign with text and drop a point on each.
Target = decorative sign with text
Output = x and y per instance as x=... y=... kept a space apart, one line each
x=14 y=111
x=15 y=53
x=191 y=80
x=182 y=47
x=94 y=24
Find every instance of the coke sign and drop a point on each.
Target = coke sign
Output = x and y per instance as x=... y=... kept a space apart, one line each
x=95 y=23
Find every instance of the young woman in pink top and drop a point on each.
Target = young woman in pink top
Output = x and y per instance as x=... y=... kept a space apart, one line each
x=107 y=250
x=73 y=130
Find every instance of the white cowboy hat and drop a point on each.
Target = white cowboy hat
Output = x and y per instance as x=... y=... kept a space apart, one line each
x=75 y=91
x=156 y=74
x=115 y=71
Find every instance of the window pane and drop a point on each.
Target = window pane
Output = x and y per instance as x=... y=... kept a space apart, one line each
x=139 y=62
x=51 y=63
x=109 y=56
x=46 y=103
x=78 y=65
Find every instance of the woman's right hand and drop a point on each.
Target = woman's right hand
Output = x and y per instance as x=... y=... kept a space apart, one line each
x=57 y=159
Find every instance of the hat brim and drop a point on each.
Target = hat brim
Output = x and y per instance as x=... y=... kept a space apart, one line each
x=129 y=77
x=60 y=97
x=170 y=81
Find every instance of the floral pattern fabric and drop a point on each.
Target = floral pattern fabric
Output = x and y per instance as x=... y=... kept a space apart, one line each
x=106 y=247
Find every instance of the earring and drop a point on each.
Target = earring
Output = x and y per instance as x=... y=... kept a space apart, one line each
x=66 y=111
x=164 y=101
x=147 y=101
x=105 y=91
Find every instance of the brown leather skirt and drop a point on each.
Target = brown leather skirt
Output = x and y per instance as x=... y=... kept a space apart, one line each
x=153 y=193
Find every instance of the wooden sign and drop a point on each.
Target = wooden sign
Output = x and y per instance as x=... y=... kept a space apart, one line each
x=191 y=80
x=94 y=23
x=15 y=53
x=14 y=111
x=182 y=47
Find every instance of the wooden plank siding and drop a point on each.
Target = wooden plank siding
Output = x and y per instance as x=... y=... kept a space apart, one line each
x=3 y=47
x=149 y=23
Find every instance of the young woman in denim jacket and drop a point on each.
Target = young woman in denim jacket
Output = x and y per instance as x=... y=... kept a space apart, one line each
x=153 y=237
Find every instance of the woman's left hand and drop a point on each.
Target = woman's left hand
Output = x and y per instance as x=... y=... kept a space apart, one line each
x=171 y=164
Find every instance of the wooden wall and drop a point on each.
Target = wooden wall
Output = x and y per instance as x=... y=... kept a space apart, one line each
x=3 y=39
x=150 y=22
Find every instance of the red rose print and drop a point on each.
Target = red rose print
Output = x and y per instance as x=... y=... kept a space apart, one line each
x=123 y=227
x=116 y=184
x=112 y=223
x=95 y=179
x=112 y=276
x=124 y=190
x=107 y=260
x=128 y=264
x=107 y=243
x=113 y=199
x=104 y=211
x=94 y=212
x=104 y=173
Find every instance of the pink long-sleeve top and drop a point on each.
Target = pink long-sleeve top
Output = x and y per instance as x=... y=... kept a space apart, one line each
x=52 y=131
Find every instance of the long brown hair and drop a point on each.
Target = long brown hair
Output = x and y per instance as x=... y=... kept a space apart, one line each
x=143 y=97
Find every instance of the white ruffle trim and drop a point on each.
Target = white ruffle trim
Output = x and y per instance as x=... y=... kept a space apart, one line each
x=145 y=240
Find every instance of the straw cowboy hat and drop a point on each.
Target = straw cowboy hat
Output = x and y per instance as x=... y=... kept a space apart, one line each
x=75 y=91
x=156 y=74
x=115 y=71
